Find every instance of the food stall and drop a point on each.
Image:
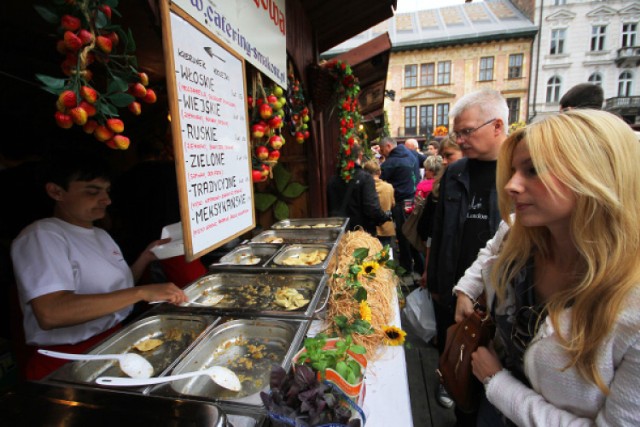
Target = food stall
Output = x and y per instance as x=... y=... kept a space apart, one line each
x=247 y=330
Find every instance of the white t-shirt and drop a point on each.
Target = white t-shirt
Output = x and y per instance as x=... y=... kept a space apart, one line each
x=52 y=255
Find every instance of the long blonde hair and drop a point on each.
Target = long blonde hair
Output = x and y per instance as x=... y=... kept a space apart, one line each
x=595 y=154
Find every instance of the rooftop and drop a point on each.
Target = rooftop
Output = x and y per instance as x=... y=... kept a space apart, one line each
x=468 y=22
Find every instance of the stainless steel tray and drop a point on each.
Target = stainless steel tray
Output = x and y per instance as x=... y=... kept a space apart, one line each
x=178 y=331
x=326 y=235
x=311 y=223
x=40 y=404
x=255 y=293
x=246 y=257
x=249 y=347
x=300 y=253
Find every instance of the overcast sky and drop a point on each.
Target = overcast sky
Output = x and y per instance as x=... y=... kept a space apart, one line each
x=411 y=5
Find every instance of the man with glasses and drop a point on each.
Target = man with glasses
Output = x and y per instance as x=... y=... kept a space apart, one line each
x=467 y=215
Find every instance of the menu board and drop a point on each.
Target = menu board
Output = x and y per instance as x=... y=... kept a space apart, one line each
x=207 y=96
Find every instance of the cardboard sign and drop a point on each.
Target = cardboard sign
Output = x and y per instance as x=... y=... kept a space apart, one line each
x=207 y=96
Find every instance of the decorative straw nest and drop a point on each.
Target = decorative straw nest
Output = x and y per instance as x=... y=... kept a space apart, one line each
x=381 y=289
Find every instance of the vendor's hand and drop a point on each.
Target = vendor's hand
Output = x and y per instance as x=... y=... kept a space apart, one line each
x=163 y=292
x=485 y=362
x=464 y=306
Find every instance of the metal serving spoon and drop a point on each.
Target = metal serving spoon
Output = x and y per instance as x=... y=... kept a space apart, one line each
x=222 y=376
x=131 y=364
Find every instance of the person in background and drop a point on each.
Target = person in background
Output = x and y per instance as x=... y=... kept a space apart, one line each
x=449 y=152
x=74 y=284
x=412 y=145
x=356 y=199
x=583 y=95
x=387 y=231
x=562 y=277
x=467 y=214
x=400 y=169
x=433 y=148
x=432 y=167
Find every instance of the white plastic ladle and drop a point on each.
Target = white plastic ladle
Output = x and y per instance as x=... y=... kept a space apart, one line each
x=131 y=364
x=222 y=376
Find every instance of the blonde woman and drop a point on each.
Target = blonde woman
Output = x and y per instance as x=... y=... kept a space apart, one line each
x=562 y=277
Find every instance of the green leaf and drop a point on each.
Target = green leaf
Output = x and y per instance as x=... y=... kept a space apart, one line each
x=110 y=3
x=360 y=254
x=51 y=82
x=360 y=294
x=358 y=349
x=101 y=20
x=281 y=177
x=294 y=190
x=47 y=14
x=351 y=378
x=362 y=327
x=117 y=85
x=340 y=321
x=131 y=45
x=281 y=210
x=264 y=201
x=109 y=110
x=342 y=369
x=121 y=99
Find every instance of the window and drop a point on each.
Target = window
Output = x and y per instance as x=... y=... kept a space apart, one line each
x=427 y=74
x=444 y=72
x=596 y=79
x=515 y=65
x=514 y=109
x=557 y=41
x=410 y=121
x=442 y=118
x=411 y=75
x=624 y=83
x=553 y=89
x=598 y=33
x=486 y=68
x=426 y=120
x=629 y=33
x=559 y=2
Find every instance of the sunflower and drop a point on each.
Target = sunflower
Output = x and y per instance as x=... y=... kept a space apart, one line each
x=370 y=267
x=365 y=311
x=394 y=335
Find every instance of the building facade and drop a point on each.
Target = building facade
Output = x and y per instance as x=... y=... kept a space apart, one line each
x=439 y=55
x=586 y=41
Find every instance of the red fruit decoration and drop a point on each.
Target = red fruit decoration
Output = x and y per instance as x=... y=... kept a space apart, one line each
x=266 y=111
x=276 y=142
x=274 y=155
x=256 y=176
x=87 y=37
x=262 y=152
x=258 y=130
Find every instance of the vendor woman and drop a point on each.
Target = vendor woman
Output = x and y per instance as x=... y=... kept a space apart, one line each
x=73 y=283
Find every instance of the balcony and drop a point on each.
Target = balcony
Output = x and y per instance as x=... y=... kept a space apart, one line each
x=628 y=57
x=628 y=107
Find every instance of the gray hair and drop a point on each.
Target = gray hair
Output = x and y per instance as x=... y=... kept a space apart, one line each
x=433 y=164
x=489 y=102
x=387 y=140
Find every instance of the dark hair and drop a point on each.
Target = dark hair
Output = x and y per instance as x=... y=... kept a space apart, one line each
x=63 y=167
x=583 y=95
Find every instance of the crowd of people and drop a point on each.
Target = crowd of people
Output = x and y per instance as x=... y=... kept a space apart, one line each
x=544 y=222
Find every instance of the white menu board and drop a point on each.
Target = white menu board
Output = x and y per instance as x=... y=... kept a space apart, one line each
x=207 y=95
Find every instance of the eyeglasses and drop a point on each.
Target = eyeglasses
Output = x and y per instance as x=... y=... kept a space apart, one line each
x=525 y=326
x=466 y=133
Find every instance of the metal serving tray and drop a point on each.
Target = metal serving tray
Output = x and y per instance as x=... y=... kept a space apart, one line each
x=255 y=293
x=326 y=235
x=311 y=223
x=249 y=347
x=178 y=331
x=39 y=404
x=246 y=257
x=294 y=252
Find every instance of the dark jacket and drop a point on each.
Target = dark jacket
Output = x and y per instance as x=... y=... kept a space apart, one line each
x=401 y=171
x=363 y=206
x=420 y=158
x=448 y=225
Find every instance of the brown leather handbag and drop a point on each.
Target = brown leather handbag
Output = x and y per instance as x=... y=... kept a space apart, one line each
x=454 y=367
